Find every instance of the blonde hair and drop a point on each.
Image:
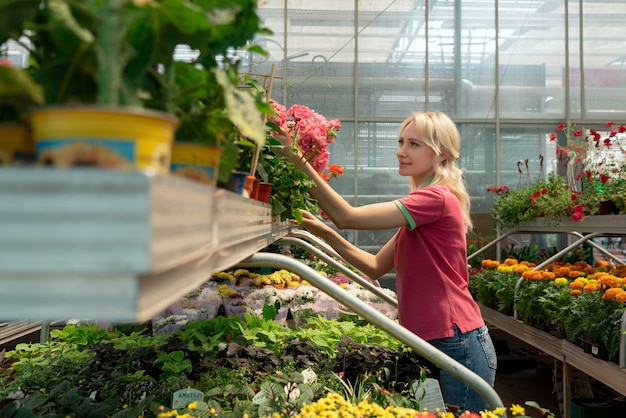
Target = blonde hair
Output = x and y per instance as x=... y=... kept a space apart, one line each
x=440 y=133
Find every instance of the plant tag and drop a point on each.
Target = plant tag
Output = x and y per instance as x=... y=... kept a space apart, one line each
x=429 y=396
x=184 y=397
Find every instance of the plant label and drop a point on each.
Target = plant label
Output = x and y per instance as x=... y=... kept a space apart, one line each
x=184 y=397
x=428 y=394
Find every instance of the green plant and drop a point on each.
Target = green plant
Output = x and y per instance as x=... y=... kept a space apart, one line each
x=494 y=289
x=290 y=190
x=540 y=303
x=590 y=316
x=549 y=197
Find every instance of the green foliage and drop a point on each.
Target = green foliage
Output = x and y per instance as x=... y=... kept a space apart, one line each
x=588 y=315
x=494 y=289
x=102 y=370
x=543 y=197
x=540 y=302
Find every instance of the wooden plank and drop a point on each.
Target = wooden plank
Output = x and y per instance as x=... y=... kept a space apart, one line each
x=11 y=331
x=606 y=372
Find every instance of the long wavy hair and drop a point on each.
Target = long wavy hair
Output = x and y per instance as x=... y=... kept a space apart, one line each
x=440 y=133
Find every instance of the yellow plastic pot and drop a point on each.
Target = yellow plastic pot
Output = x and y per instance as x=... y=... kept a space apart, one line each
x=116 y=138
x=196 y=161
x=16 y=144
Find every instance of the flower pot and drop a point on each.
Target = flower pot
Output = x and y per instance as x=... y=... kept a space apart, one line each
x=196 y=161
x=115 y=138
x=607 y=207
x=265 y=191
x=235 y=183
x=16 y=144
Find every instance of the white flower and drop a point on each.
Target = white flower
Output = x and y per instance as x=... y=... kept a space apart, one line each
x=309 y=376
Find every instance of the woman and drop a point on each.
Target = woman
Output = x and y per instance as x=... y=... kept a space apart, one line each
x=428 y=251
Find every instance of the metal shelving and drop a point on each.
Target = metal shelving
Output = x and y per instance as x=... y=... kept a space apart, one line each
x=611 y=374
x=116 y=245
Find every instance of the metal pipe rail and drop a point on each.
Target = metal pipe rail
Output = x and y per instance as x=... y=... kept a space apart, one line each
x=377 y=290
x=441 y=360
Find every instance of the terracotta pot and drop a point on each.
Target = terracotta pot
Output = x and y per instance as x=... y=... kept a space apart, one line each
x=265 y=191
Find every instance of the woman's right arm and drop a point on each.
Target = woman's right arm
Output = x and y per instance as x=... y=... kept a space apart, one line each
x=373 y=265
x=377 y=216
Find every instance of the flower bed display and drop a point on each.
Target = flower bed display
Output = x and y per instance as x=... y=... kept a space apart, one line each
x=576 y=301
x=240 y=291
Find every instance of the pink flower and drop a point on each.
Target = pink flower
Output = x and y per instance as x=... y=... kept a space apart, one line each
x=312 y=133
x=5 y=62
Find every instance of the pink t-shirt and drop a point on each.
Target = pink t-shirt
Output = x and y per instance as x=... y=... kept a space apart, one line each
x=431 y=266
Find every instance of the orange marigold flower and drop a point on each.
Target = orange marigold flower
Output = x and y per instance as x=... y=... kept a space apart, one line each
x=510 y=261
x=576 y=285
x=492 y=264
x=519 y=269
x=600 y=263
x=574 y=292
x=609 y=281
x=573 y=274
x=547 y=275
x=621 y=297
x=591 y=287
x=611 y=294
x=531 y=275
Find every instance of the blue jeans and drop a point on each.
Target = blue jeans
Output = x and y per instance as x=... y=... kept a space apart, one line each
x=474 y=350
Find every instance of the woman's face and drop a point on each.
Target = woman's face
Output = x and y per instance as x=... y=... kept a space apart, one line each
x=415 y=158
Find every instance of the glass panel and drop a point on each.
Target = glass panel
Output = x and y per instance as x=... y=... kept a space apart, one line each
x=532 y=59
x=315 y=57
x=391 y=56
x=478 y=162
x=461 y=46
x=604 y=59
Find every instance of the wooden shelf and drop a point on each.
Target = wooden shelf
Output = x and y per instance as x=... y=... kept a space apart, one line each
x=606 y=372
x=116 y=245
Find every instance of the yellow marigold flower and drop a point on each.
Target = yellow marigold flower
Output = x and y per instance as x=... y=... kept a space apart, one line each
x=561 y=281
x=517 y=410
x=193 y=405
x=611 y=293
x=582 y=280
x=575 y=292
x=505 y=269
x=489 y=414
x=591 y=287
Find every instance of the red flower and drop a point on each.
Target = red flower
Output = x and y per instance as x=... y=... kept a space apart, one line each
x=578 y=213
x=604 y=178
x=552 y=136
x=560 y=127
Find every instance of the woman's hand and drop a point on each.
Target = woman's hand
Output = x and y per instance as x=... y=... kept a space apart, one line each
x=313 y=224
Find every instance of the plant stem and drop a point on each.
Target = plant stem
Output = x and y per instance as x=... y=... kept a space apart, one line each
x=108 y=46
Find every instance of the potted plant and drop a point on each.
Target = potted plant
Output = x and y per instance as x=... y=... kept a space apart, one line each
x=115 y=59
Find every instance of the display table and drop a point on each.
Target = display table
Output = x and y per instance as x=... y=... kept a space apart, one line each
x=116 y=245
x=611 y=374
